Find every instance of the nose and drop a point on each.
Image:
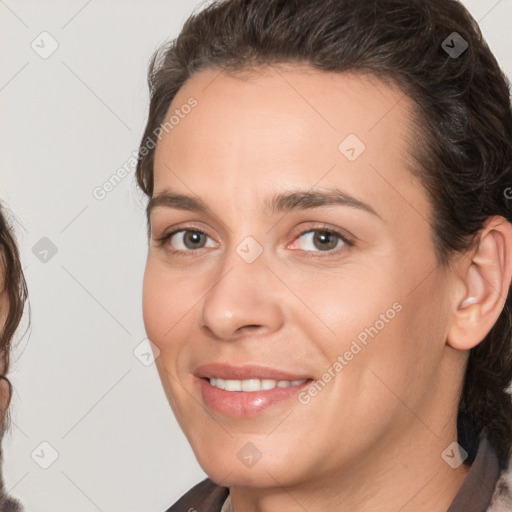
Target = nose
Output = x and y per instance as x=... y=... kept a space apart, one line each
x=242 y=299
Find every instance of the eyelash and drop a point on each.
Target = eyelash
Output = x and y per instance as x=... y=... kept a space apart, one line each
x=322 y=229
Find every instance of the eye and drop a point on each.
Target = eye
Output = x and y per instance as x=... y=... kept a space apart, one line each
x=321 y=240
x=184 y=240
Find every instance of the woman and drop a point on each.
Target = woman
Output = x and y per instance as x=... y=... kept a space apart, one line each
x=330 y=255
x=12 y=298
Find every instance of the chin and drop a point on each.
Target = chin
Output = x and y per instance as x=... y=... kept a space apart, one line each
x=232 y=476
x=233 y=467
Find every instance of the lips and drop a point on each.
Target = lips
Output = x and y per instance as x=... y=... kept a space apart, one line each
x=245 y=404
x=228 y=372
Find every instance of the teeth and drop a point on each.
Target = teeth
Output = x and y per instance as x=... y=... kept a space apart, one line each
x=232 y=385
x=252 y=384
x=219 y=383
x=268 y=384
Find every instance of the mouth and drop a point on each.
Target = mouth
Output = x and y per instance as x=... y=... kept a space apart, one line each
x=245 y=391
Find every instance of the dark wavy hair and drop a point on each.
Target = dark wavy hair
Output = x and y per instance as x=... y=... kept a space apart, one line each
x=462 y=112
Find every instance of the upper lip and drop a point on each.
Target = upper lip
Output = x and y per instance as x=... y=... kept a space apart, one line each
x=226 y=371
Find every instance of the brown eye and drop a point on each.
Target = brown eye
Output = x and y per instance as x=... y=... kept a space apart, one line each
x=189 y=239
x=321 y=240
x=325 y=240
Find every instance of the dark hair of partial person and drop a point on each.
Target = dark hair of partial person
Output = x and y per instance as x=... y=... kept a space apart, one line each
x=462 y=119
x=15 y=291
x=14 y=294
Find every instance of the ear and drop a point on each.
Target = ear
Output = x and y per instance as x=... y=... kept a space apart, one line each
x=485 y=276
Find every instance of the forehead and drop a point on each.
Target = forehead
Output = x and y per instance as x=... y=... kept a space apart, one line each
x=289 y=125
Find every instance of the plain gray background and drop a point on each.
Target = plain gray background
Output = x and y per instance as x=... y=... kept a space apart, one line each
x=69 y=120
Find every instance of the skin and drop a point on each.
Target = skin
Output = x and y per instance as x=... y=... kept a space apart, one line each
x=372 y=438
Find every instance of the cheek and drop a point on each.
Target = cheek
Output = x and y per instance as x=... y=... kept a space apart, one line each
x=405 y=356
x=384 y=321
x=426 y=322
x=357 y=306
x=164 y=305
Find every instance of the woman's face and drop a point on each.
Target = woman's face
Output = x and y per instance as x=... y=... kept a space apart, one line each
x=347 y=295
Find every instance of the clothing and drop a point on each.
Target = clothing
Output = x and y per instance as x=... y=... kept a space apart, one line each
x=484 y=489
x=8 y=504
x=227 y=507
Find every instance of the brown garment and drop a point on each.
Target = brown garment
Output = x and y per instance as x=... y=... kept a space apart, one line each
x=206 y=496
x=484 y=489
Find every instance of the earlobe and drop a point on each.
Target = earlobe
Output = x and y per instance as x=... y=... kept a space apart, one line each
x=486 y=282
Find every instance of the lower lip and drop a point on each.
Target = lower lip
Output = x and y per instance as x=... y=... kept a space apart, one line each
x=246 y=403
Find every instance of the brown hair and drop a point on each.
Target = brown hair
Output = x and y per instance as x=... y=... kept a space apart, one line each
x=15 y=290
x=463 y=112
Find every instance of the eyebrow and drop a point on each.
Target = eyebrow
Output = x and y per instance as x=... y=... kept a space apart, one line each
x=280 y=203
